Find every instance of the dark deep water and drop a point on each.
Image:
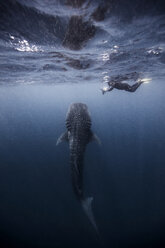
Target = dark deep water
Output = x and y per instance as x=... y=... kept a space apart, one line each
x=46 y=63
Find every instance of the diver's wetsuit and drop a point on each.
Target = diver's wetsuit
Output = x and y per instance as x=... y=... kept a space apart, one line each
x=122 y=86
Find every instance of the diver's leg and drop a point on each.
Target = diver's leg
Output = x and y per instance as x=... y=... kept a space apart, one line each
x=134 y=87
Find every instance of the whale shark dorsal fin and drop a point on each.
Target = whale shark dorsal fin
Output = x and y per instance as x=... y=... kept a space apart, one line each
x=63 y=137
x=94 y=137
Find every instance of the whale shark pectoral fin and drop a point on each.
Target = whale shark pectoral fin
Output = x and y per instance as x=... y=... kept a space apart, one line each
x=94 y=137
x=63 y=137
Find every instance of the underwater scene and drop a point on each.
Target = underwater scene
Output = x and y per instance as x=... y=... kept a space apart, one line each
x=82 y=124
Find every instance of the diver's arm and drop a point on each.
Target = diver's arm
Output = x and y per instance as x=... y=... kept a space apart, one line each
x=110 y=89
x=104 y=90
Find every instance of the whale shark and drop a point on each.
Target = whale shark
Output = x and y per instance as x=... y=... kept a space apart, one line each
x=78 y=135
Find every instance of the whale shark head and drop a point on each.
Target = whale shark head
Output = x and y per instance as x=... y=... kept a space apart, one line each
x=78 y=106
x=78 y=123
x=78 y=118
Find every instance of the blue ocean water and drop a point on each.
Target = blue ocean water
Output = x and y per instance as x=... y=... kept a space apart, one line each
x=39 y=78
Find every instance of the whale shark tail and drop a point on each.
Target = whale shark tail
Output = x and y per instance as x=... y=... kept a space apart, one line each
x=87 y=207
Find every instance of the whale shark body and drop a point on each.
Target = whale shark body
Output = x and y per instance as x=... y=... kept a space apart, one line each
x=79 y=134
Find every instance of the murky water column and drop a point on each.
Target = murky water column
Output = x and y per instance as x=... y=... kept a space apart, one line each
x=125 y=175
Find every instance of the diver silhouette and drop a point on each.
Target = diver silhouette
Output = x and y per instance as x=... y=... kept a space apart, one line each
x=121 y=86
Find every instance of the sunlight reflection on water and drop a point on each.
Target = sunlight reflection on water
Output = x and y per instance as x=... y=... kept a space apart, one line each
x=23 y=45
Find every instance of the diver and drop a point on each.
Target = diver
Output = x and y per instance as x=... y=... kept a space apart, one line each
x=121 y=86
